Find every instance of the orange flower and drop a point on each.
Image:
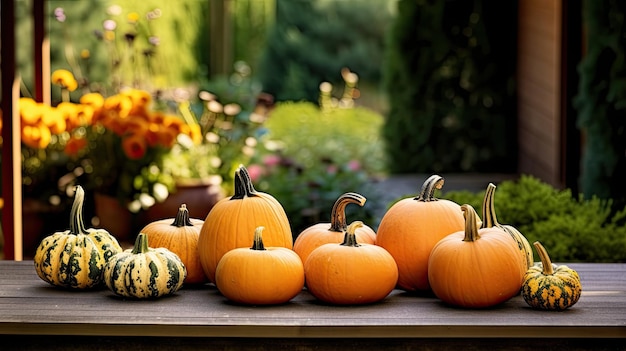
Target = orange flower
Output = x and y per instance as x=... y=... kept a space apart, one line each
x=96 y=102
x=30 y=111
x=141 y=100
x=134 y=146
x=54 y=119
x=36 y=136
x=75 y=145
x=65 y=79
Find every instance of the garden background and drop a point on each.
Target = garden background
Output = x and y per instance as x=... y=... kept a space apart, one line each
x=414 y=87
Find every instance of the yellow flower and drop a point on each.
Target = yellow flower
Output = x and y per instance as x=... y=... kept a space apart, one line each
x=133 y=17
x=65 y=79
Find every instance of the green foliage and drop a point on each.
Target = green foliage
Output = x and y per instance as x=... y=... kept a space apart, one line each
x=312 y=40
x=601 y=101
x=309 y=134
x=449 y=72
x=571 y=229
x=314 y=155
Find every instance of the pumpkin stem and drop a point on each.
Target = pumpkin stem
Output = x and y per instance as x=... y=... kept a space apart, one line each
x=258 y=239
x=349 y=239
x=545 y=258
x=471 y=228
x=338 y=213
x=182 y=217
x=76 y=214
x=489 y=212
x=428 y=188
x=243 y=184
x=141 y=244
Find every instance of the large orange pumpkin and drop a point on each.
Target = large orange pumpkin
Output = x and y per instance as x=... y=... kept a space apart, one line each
x=231 y=223
x=260 y=275
x=476 y=268
x=333 y=232
x=350 y=273
x=179 y=235
x=411 y=228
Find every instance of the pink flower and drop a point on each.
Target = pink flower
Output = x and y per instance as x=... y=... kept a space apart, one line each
x=271 y=160
x=331 y=169
x=255 y=172
x=354 y=165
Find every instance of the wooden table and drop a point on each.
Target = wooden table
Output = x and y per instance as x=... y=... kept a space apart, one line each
x=34 y=314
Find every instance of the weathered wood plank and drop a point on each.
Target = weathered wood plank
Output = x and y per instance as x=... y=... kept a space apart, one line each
x=30 y=306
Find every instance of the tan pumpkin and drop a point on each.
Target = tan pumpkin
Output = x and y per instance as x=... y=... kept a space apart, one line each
x=411 y=228
x=260 y=275
x=490 y=220
x=333 y=232
x=350 y=273
x=179 y=235
x=232 y=221
x=476 y=268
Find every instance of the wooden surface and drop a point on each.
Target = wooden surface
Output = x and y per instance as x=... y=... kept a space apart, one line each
x=29 y=307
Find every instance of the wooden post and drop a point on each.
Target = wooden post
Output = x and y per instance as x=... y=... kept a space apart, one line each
x=221 y=41
x=11 y=160
x=41 y=48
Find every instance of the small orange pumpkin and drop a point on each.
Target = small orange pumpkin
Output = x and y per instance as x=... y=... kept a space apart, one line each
x=333 y=232
x=350 y=273
x=231 y=223
x=490 y=220
x=260 y=275
x=476 y=268
x=411 y=228
x=179 y=235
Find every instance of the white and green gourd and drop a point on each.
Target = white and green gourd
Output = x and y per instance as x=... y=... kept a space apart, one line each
x=75 y=258
x=144 y=272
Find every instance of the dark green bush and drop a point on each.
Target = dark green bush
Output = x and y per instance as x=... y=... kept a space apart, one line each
x=572 y=229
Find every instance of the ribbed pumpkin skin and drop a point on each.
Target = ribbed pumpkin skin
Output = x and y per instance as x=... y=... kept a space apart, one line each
x=232 y=222
x=332 y=232
x=555 y=288
x=411 y=228
x=478 y=273
x=75 y=258
x=347 y=274
x=179 y=235
x=260 y=275
x=144 y=272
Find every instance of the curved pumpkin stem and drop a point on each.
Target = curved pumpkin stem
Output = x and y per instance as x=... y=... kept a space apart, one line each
x=182 y=217
x=258 y=239
x=77 y=226
x=243 y=184
x=428 y=188
x=338 y=213
x=141 y=244
x=545 y=258
x=350 y=238
x=489 y=212
x=471 y=229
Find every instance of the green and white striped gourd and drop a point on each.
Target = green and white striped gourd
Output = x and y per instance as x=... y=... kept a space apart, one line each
x=548 y=288
x=76 y=257
x=144 y=272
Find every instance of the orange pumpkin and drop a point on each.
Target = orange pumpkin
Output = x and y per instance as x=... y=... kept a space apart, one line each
x=260 y=275
x=350 y=273
x=490 y=220
x=333 y=232
x=411 y=228
x=231 y=223
x=179 y=235
x=476 y=268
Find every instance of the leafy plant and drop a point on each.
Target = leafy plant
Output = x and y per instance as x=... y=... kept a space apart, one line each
x=574 y=229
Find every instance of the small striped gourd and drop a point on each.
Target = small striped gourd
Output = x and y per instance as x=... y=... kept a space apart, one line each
x=550 y=287
x=75 y=258
x=144 y=272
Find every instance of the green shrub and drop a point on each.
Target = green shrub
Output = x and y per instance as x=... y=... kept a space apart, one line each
x=572 y=229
